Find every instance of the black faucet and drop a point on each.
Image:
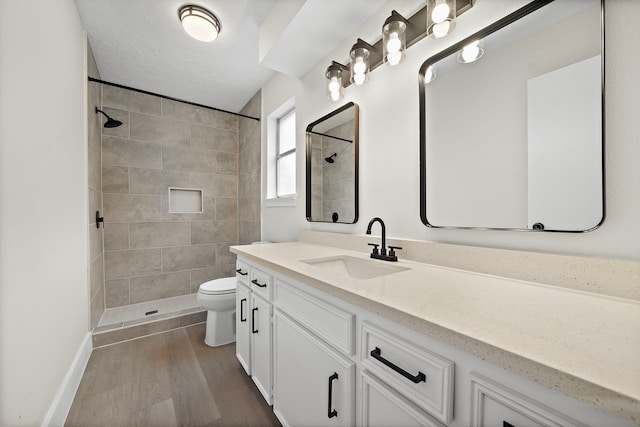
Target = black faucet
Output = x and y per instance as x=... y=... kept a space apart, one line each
x=382 y=253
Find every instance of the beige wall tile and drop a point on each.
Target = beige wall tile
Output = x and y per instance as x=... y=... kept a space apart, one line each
x=121 y=264
x=95 y=241
x=203 y=232
x=122 y=130
x=248 y=232
x=115 y=179
x=249 y=183
x=225 y=186
x=126 y=208
x=154 y=181
x=208 y=212
x=123 y=152
x=206 y=182
x=129 y=100
x=187 y=159
x=159 y=129
x=226 y=121
x=188 y=257
x=192 y=319
x=159 y=234
x=148 y=288
x=116 y=236
x=118 y=335
x=186 y=112
x=249 y=209
x=199 y=276
x=96 y=309
x=223 y=255
x=96 y=278
x=116 y=292
x=253 y=107
x=227 y=163
x=226 y=209
x=215 y=139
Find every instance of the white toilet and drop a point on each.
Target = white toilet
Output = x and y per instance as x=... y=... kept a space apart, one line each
x=218 y=297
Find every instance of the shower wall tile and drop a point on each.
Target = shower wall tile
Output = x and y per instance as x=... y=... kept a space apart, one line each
x=131 y=208
x=203 y=232
x=96 y=278
x=226 y=209
x=123 y=152
x=159 y=129
x=248 y=232
x=153 y=181
x=225 y=186
x=214 y=139
x=188 y=113
x=129 y=100
x=208 y=212
x=122 y=130
x=188 y=257
x=94 y=205
x=249 y=172
x=159 y=234
x=95 y=242
x=206 y=182
x=227 y=163
x=158 y=286
x=224 y=256
x=121 y=264
x=226 y=121
x=186 y=159
x=116 y=292
x=115 y=179
x=116 y=236
x=96 y=308
x=249 y=209
x=202 y=275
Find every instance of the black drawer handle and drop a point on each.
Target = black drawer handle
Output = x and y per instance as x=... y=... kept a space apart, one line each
x=253 y=321
x=242 y=316
x=255 y=282
x=375 y=353
x=239 y=271
x=330 y=411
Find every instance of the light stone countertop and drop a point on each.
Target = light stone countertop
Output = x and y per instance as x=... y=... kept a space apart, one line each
x=583 y=344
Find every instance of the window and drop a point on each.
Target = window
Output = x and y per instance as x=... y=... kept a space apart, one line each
x=281 y=156
x=286 y=155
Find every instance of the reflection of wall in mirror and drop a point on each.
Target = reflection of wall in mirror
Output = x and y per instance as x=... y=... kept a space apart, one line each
x=476 y=125
x=338 y=184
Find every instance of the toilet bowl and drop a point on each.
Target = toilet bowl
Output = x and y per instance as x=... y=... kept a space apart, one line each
x=218 y=297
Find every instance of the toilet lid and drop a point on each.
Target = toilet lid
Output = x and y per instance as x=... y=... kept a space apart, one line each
x=225 y=285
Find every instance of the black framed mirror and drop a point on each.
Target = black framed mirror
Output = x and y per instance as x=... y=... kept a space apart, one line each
x=511 y=129
x=332 y=166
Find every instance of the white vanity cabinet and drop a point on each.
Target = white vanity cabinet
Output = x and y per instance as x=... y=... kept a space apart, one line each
x=254 y=329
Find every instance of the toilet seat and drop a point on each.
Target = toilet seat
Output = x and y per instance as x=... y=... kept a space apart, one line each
x=226 y=285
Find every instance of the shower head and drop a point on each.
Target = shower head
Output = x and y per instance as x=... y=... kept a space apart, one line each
x=330 y=158
x=110 y=123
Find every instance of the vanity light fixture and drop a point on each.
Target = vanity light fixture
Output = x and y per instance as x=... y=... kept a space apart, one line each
x=334 y=80
x=394 y=38
x=471 y=52
x=360 y=53
x=199 y=23
x=441 y=17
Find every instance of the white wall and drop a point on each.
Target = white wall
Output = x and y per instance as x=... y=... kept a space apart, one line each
x=389 y=144
x=43 y=198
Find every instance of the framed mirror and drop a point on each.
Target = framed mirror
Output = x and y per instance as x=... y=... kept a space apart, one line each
x=332 y=166
x=511 y=123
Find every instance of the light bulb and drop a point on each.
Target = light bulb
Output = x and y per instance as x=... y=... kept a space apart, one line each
x=470 y=53
x=334 y=85
x=440 y=13
x=334 y=95
x=394 y=44
x=359 y=67
x=358 y=78
x=429 y=74
x=394 y=58
x=441 y=29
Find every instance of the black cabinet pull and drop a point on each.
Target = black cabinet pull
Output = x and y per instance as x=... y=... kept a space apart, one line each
x=506 y=424
x=253 y=321
x=255 y=282
x=242 y=316
x=375 y=353
x=239 y=271
x=330 y=411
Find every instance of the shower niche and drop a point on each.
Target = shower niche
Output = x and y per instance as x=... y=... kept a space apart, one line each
x=332 y=166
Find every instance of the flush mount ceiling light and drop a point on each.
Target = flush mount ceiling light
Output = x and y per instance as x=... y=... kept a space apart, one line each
x=471 y=52
x=199 y=23
x=441 y=17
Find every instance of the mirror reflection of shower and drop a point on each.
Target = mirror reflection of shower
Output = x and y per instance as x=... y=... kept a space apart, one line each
x=111 y=122
x=330 y=158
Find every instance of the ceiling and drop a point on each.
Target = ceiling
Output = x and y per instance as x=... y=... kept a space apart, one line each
x=141 y=44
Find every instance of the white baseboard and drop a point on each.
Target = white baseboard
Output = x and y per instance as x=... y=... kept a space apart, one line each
x=61 y=404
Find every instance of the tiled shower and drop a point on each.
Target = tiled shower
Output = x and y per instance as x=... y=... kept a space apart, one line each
x=151 y=252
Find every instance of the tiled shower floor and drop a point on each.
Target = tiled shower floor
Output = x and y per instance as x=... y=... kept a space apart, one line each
x=134 y=314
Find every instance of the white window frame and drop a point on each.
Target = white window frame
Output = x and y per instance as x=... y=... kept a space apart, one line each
x=272 y=198
x=280 y=155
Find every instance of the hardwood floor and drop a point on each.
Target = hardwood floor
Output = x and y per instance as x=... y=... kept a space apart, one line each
x=169 y=379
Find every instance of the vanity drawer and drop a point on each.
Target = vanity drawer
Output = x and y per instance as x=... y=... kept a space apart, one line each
x=242 y=271
x=493 y=404
x=420 y=375
x=334 y=325
x=261 y=282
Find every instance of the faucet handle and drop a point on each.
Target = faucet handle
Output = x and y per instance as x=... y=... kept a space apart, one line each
x=392 y=252
x=374 y=251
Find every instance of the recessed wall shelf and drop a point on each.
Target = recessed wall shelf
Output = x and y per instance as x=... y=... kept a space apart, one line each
x=185 y=200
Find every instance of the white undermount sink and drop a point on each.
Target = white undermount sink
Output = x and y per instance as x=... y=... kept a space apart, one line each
x=356 y=268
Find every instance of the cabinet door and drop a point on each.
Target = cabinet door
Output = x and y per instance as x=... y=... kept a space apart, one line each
x=243 y=326
x=261 y=344
x=382 y=406
x=313 y=384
